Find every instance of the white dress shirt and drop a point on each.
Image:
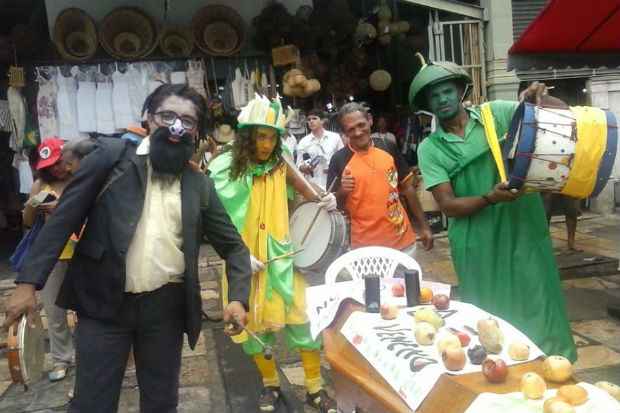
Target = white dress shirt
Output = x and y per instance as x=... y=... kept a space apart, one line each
x=154 y=257
x=320 y=149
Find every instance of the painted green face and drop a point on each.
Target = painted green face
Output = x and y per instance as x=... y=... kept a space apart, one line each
x=444 y=100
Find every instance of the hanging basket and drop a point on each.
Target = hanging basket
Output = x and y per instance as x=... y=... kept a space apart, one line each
x=176 y=41
x=75 y=35
x=128 y=33
x=218 y=30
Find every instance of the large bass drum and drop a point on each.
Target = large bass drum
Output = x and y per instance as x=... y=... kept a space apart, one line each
x=327 y=237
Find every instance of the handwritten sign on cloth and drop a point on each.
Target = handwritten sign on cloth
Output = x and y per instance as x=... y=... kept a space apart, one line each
x=412 y=369
x=322 y=301
x=598 y=401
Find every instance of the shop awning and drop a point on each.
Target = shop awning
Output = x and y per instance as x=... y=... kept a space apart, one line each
x=571 y=33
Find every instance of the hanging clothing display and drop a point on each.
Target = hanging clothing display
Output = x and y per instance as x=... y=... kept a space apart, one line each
x=5 y=116
x=123 y=112
x=66 y=104
x=196 y=77
x=17 y=109
x=105 y=111
x=138 y=78
x=46 y=107
x=86 y=106
x=178 y=78
x=22 y=164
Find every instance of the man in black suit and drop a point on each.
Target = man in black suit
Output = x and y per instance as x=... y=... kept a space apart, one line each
x=134 y=277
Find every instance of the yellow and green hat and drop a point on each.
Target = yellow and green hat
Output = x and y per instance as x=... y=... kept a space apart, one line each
x=261 y=111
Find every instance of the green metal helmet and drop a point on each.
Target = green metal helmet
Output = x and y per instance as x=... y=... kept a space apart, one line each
x=431 y=74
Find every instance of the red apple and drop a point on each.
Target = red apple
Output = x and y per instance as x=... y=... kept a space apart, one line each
x=453 y=358
x=398 y=290
x=495 y=370
x=463 y=337
x=441 y=301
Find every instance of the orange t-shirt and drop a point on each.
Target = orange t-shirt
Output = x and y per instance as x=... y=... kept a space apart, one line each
x=374 y=207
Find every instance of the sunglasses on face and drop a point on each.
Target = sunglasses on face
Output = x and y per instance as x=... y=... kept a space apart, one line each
x=168 y=117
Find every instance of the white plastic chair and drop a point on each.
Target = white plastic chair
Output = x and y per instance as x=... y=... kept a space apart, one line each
x=363 y=261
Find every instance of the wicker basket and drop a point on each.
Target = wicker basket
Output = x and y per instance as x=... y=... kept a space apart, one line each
x=75 y=35
x=218 y=30
x=128 y=33
x=285 y=55
x=176 y=41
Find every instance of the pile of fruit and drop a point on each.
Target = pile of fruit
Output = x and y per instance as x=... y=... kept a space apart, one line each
x=451 y=345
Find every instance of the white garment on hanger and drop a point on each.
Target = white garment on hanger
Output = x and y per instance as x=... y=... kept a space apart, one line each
x=237 y=89
x=21 y=163
x=178 y=78
x=66 y=104
x=5 y=117
x=47 y=114
x=105 y=109
x=123 y=112
x=196 y=77
x=138 y=89
x=87 y=106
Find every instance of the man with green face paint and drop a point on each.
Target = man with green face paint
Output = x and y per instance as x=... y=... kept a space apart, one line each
x=499 y=239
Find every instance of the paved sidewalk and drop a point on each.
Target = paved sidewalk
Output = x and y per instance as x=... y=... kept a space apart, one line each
x=206 y=388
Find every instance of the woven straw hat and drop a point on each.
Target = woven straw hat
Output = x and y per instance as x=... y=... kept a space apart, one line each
x=176 y=41
x=218 y=30
x=380 y=80
x=128 y=33
x=224 y=133
x=75 y=35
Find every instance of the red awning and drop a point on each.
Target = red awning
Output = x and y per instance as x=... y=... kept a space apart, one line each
x=573 y=31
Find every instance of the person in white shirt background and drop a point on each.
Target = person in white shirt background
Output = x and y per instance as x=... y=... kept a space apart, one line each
x=315 y=150
x=382 y=132
x=289 y=140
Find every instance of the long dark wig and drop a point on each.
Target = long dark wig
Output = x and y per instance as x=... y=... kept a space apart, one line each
x=244 y=151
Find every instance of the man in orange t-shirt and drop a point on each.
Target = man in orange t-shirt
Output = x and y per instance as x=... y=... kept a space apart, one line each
x=370 y=176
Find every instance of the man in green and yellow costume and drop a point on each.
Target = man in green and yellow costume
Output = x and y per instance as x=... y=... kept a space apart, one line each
x=253 y=183
x=499 y=238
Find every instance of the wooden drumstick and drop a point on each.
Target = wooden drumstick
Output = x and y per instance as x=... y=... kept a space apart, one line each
x=316 y=215
x=279 y=257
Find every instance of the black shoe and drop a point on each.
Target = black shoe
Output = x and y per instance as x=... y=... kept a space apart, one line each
x=322 y=402
x=269 y=399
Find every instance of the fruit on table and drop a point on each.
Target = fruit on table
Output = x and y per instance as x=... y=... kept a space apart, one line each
x=573 y=394
x=447 y=340
x=549 y=402
x=441 y=301
x=430 y=316
x=453 y=358
x=559 y=406
x=494 y=369
x=557 y=369
x=533 y=386
x=398 y=290
x=463 y=337
x=388 y=311
x=518 y=351
x=477 y=354
x=425 y=333
x=612 y=389
x=491 y=337
x=426 y=295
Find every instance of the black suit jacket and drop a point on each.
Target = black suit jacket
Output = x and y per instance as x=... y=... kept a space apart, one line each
x=95 y=281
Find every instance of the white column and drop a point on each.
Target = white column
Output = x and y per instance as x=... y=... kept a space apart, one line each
x=501 y=84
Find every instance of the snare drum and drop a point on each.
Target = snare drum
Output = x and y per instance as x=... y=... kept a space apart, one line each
x=547 y=150
x=327 y=237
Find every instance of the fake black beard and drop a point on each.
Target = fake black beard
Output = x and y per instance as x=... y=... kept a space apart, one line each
x=167 y=157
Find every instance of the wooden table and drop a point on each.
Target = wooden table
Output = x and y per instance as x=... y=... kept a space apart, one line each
x=359 y=387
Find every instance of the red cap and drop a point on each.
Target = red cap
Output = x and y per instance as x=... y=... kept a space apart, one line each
x=50 y=151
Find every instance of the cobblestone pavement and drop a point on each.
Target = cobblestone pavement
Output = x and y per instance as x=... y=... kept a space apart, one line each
x=202 y=382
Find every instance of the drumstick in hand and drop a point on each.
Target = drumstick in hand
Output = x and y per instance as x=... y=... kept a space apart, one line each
x=316 y=215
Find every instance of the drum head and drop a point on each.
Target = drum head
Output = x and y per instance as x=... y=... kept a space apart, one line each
x=317 y=241
x=31 y=342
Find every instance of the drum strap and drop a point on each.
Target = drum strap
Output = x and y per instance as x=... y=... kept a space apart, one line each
x=493 y=141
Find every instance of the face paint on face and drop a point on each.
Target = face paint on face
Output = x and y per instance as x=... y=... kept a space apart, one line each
x=266 y=140
x=444 y=100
